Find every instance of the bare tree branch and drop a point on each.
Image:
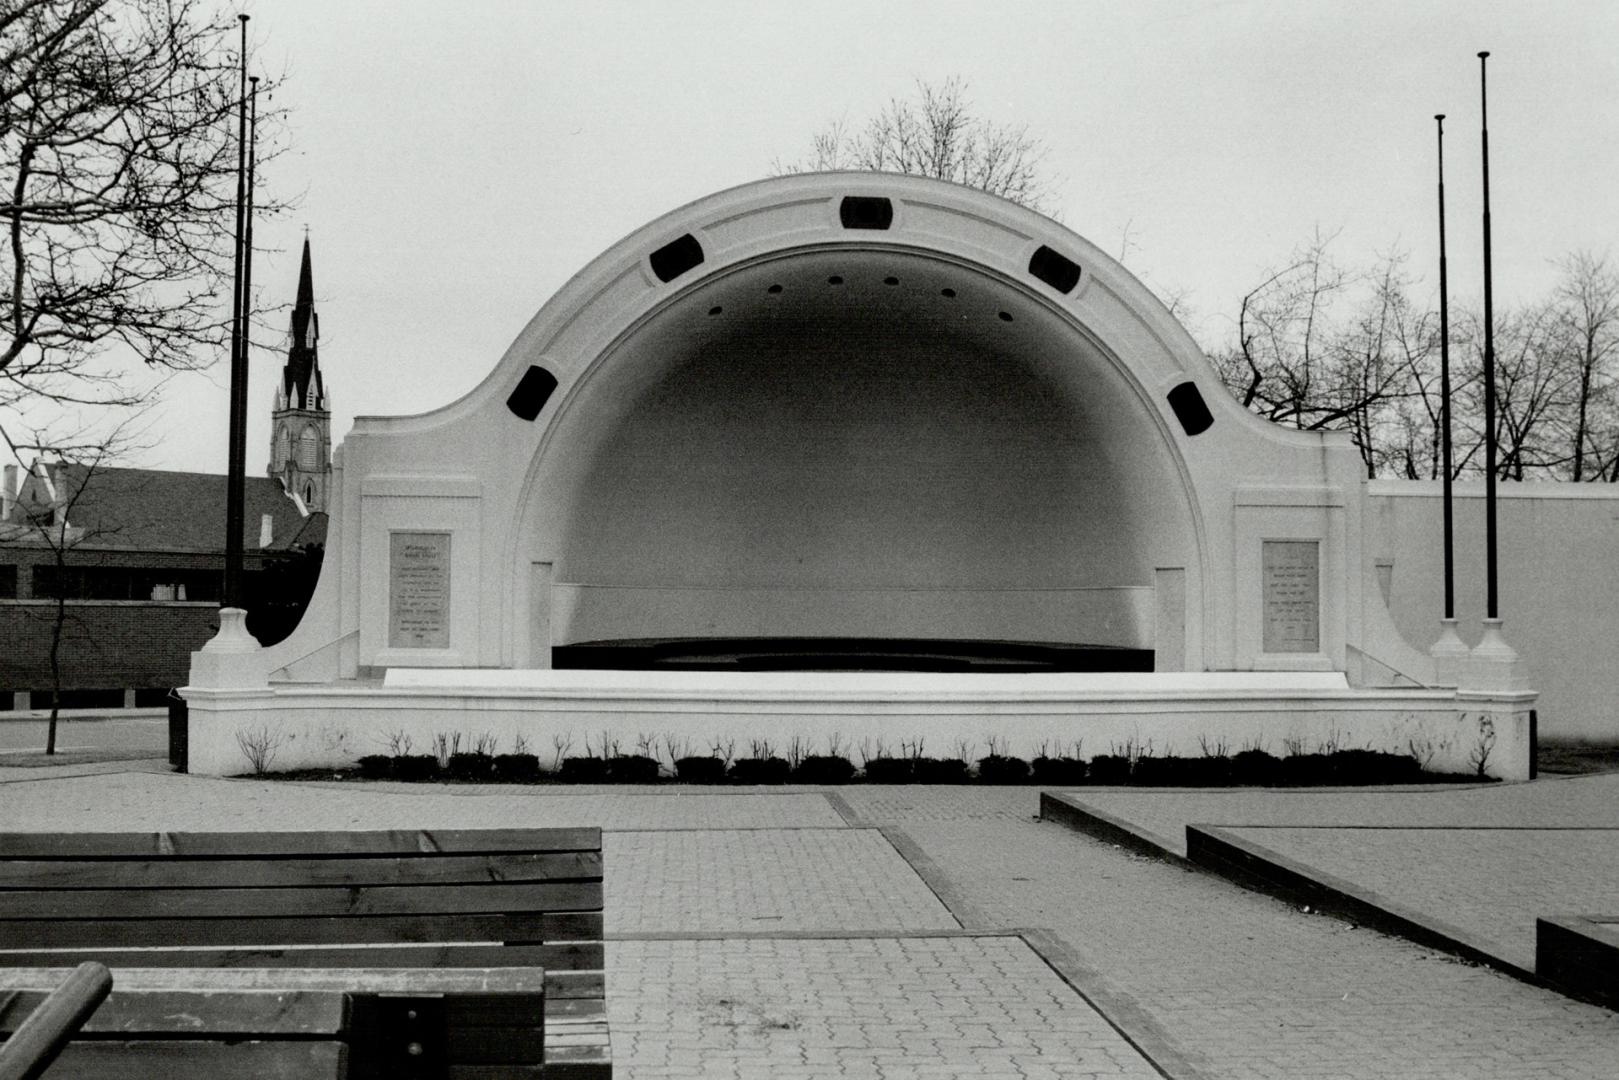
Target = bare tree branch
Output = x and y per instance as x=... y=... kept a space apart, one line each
x=935 y=133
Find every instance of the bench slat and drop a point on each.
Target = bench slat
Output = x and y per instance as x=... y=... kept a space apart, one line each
x=260 y=873
x=577 y=955
x=201 y=1012
x=361 y=901
x=574 y=926
x=55 y=933
x=273 y=844
x=561 y=985
x=199 y=1059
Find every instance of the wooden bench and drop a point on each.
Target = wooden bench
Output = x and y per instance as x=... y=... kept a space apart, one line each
x=405 y=899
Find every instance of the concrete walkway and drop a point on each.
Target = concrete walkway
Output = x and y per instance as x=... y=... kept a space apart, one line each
x=931 y=932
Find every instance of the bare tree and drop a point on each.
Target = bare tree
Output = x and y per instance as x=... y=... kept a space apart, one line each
x=1587 y=300
x=935 y=133
x=117 y=189
x=44 y=517
x=1534 y=390
x=1320 y=346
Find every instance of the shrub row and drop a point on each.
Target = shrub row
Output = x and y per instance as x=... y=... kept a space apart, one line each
x=1246 y=768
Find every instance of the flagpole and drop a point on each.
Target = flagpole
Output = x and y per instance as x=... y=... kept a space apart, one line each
x=1444 y=389
x=1493 y=666
x=236 y=439
x=1491 y=605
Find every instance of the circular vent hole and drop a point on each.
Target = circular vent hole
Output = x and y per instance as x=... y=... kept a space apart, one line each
x=890 y=281
x=950 y=293
x=715 y=310
x=1006 y=317
x=773 y=290
x=834 y=280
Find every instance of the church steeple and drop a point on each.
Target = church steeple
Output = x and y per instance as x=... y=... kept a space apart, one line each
x=301 y=420
x=300 y=380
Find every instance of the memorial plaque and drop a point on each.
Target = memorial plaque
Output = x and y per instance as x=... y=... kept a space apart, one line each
x=1291 y=575
x=418 y=590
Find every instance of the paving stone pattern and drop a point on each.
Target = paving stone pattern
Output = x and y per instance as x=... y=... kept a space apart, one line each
x=892 y=1009
x=830 y=880
x=1456 y=875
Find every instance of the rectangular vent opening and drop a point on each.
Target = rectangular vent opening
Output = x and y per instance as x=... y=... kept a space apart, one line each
x=676 y=257
x=866 y=212
x=1058 y=271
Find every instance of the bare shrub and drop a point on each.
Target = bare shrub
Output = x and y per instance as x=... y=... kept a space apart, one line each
x=1478 y=757
x=724 y=748
x=259 y=745
x=1421 y=749
x=676 y=746
x=446 y=744
x=561 y=744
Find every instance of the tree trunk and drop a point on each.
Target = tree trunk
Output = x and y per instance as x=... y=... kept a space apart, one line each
x=56 y=660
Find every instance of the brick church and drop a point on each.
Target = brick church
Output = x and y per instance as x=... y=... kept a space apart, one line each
x=138 y=554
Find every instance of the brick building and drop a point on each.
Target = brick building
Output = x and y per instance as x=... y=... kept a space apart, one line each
x=137 y=555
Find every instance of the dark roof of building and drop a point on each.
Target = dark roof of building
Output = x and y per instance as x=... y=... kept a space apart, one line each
x=158 y=510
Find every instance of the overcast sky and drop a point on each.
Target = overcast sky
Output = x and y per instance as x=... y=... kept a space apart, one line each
x=457 y=163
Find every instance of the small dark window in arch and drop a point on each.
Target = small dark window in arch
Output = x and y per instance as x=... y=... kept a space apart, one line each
x=866 y=212
x=533 y=390
x=1190 y=408
x=1058 y=271
x=676 y=257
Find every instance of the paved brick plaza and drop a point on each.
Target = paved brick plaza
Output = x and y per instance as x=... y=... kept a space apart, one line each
x=939 y=932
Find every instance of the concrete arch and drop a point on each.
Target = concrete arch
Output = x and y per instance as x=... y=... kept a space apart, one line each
x=1053 y=348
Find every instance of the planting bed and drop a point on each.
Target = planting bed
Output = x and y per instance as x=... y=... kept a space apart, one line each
x=1248 y=768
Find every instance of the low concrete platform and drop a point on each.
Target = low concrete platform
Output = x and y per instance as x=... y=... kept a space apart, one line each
x=1471 y=870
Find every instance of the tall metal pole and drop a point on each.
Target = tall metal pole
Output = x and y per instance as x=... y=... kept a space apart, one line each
x=237 y=438
x=1491 y=606
x=1444 y=388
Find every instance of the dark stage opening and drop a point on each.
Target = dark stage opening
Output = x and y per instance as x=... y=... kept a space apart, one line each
x=846 y=654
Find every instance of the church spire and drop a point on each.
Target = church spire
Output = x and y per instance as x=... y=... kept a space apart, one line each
x=301 y=420
x=300 y=379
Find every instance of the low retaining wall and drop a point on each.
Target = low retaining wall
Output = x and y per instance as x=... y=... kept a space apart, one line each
x=1186 y=714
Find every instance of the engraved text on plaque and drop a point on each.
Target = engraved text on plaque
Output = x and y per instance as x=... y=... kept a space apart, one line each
x=418 y=590
x=1292 y=582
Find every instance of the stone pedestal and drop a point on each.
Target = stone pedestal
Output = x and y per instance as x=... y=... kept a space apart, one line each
x=233 y=659
x=1494 y=666
x=1450 y=655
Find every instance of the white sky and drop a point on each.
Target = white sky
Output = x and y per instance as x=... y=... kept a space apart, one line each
x=459 y=162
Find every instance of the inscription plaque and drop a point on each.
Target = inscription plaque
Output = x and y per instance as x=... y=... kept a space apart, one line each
x=1292 y=583
x=418 y=590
